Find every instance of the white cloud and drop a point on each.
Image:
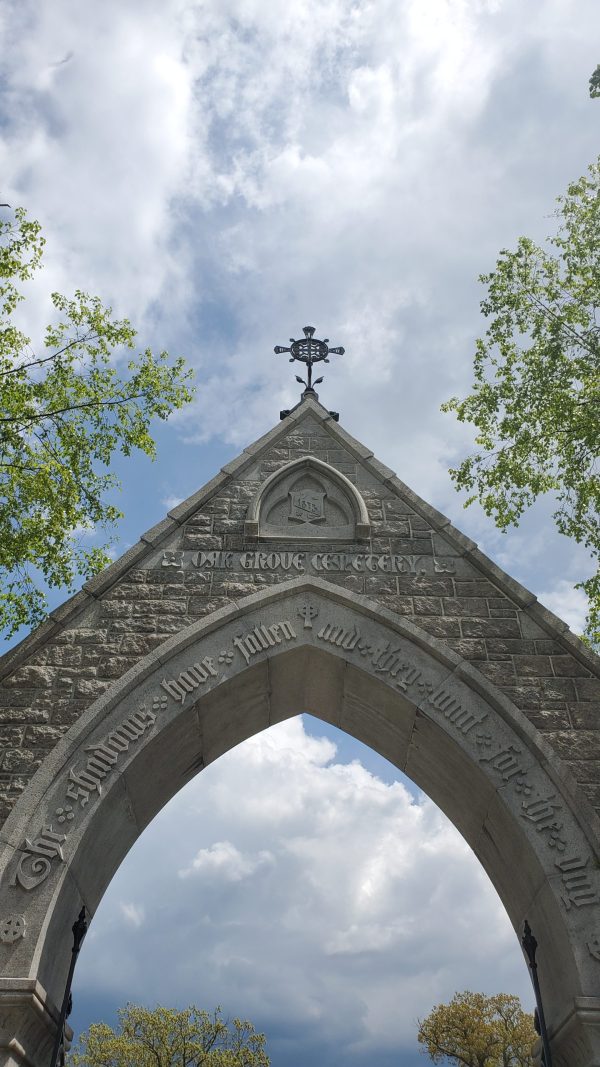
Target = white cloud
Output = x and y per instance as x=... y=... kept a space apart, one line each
x=83 y=530
x=97 y=147
x=568 y=603
x=224 y=862
x=134 y=914
x=171 y=501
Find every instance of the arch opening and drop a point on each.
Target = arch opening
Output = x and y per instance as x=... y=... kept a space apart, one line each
x=313 y=896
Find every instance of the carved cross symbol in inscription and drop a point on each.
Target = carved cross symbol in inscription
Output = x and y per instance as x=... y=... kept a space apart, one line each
x=309 y=350
x=308 y=613
x=12 y=929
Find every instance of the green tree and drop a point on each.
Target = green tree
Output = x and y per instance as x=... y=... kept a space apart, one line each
x=479 y=1031
x=595 y=83
x=536 y=397
x=64 y=413
x=164 y=1037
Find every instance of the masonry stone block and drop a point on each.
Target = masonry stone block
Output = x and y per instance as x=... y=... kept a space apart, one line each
x=568 y=667
x=501 y=673
x=528 y=666
x=472 y=607
x=490 y=628
x=584 y=715
x=587 y=688
x=440 y=627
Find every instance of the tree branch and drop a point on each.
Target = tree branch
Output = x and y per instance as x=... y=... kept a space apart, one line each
x=19 y=467
x=38 y=362
x=72 y=407
x=564 y=325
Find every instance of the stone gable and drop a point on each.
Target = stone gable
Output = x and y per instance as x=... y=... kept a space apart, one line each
x=200 y=559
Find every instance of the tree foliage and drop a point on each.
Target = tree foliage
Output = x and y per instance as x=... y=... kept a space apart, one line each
x=536 y=397
x=595 y=83
x=64 y=413
x=479 y=1031
x=165 y=1037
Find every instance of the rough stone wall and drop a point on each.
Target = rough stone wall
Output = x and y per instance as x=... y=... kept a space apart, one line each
x=140 y=602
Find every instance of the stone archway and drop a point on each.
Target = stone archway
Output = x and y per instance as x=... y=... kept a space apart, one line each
x=422 y=647
x=304 y=645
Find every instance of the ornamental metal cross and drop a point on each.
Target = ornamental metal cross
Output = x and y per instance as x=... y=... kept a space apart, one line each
x=309 y=350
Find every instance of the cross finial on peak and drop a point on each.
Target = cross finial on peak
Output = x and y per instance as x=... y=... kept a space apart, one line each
x=309 y=350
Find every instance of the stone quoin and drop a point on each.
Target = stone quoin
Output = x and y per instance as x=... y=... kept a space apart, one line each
x=304 y=577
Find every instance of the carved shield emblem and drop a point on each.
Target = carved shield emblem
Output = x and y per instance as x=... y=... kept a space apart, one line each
x=307 y=505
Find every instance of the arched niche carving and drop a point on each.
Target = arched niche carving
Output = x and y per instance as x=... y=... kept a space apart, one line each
x=308 y=499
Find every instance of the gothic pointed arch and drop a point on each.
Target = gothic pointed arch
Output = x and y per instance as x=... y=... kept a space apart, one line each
x=305 y=645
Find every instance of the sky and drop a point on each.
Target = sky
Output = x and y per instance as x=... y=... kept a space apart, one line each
x=223 y=173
